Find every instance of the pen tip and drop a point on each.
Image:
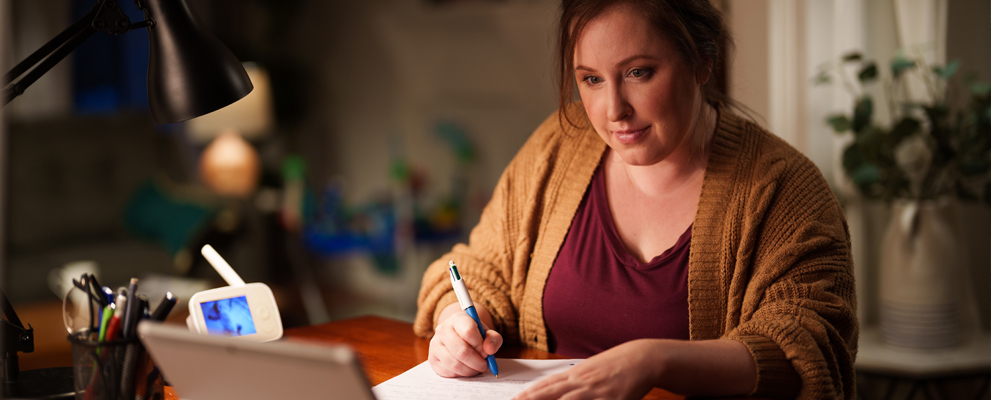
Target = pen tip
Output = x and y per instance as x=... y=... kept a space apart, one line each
x=497 y=376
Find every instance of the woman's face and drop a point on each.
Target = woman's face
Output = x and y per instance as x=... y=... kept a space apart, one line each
x=639 y=94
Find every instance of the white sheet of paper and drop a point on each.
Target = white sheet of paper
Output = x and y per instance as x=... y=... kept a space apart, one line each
x=420 y=382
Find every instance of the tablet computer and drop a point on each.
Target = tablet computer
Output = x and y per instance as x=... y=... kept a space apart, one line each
x=206 y=367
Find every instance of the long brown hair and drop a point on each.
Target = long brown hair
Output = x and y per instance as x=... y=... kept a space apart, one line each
x=694 y=26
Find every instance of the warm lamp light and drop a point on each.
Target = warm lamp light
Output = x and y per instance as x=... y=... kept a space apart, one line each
x=229 y=166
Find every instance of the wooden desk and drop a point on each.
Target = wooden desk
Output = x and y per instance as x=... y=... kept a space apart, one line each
x=388 y=348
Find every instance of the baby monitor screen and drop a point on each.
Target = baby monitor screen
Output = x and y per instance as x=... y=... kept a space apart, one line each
x=229 y=317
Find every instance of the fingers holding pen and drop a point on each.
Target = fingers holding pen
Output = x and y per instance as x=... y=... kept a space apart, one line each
x=492 y=342
x=456 y=362
x=463 y=343
x=467 y=329
x=438 y=365
x=457 y=348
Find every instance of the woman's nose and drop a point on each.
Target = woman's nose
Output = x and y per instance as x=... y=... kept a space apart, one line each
x=618 y=106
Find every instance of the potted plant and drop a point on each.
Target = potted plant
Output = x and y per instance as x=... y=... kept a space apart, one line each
x=929 y=154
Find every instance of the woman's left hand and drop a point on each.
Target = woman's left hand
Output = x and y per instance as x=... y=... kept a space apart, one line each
x=626 y=371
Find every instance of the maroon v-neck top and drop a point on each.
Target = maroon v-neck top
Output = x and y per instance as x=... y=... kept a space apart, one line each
x=598 y=295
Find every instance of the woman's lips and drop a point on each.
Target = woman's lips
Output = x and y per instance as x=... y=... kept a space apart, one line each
x=630 y=136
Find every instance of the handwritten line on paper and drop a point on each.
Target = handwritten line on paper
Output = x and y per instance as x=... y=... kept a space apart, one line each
x=421 y=383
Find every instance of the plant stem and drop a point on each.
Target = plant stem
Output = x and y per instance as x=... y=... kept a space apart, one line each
x=841 y=67
x=889 y=93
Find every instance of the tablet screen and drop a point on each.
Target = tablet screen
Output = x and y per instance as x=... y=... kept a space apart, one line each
x=230 y=317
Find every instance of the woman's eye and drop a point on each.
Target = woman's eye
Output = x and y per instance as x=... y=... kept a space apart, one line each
x=592 y=80
x=638 y=72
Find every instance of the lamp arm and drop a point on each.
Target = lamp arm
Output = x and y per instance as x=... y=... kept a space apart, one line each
x=48 y=48
x=104 y=16
x=17 y=88
x=46 y=57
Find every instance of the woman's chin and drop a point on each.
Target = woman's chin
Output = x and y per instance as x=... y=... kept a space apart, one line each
x=637 y=156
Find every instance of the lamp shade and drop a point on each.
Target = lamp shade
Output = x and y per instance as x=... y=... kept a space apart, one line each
x=251 y=117
x=190 y=72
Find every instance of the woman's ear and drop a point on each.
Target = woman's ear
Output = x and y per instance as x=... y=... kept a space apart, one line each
x=704 y=73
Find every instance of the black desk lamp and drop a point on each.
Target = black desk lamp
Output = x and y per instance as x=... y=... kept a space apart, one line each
x=190 y=73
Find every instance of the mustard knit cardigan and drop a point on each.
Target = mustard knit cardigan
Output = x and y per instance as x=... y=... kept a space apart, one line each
x=770 y=262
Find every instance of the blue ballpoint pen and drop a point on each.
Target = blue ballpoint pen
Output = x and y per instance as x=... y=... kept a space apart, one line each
x=465 y=300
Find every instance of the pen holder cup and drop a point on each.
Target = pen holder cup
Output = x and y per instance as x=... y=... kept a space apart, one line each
x=113 y=370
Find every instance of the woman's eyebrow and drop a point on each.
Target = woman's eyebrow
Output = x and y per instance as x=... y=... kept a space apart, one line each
x=625 y=61
x=637 y=57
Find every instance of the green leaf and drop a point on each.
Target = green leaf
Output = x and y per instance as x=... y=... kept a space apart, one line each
x=947 y=71
x=839 y=122
x=862 y=113
x=866 y=175
x=871 y=142
x=905 y=128
x=980 y=88
x=852 y=56
x=970 y=78
x=852 y=159
x=823 y=78
x=399 y=170
x=899 y=65
x=950 y=69
x=868 y=73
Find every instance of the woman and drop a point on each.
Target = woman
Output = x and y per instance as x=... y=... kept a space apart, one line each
x=652 y=230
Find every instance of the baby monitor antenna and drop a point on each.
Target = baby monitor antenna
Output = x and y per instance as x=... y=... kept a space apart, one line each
x=222 y=267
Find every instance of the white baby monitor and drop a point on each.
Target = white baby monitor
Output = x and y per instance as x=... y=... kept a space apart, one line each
x=244 y=311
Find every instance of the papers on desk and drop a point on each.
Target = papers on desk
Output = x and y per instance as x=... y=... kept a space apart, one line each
x=421 y=382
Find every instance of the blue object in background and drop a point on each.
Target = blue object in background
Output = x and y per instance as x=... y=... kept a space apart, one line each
x=230 y=317
x=339 y=229
x=110 y=72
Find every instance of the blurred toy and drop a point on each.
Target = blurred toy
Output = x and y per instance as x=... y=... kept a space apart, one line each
x=155 y=214
x=369 y=228
x=294 y=193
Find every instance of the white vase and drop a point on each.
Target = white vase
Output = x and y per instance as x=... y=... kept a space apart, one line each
x=922 y=277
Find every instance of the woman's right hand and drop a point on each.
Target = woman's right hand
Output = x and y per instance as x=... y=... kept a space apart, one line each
x=457 y=348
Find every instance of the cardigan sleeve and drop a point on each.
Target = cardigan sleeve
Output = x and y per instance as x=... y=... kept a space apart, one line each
x=798 y=314
x=494 y=262
x=485 y=265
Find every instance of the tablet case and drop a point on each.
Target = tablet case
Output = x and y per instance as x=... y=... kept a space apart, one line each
x=207 y=367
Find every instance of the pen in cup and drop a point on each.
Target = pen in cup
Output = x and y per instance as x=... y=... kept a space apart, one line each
x=115 y=320
x=132 y=353
x=464 y=299
x=164 y=307
x=109 y=293
x=108 y=313
x=130 y=310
